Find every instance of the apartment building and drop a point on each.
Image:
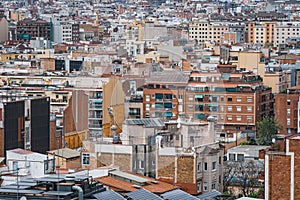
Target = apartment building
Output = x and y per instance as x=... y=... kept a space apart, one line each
x=198 y=170
x=205 y=31
x=241 y=31
x=282 y=171
x=286 y=30
x=286 y=111
x=28 y=29
x=262 y=32
x=134 y=31
x=236 y=101
x=163 y=96
x=66 y=32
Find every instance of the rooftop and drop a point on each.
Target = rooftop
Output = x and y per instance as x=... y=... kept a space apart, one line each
x=147 y=122
x=65 y=153
x=168 y=76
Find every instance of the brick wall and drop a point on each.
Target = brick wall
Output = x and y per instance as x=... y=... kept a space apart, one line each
x=185 y=174
x=185 y=169
x=121 y=160
x=279 y=177
x=294 y=147
x=166 y=165
x=73 y=163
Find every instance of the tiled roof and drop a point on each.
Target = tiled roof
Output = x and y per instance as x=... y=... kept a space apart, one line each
x=168 y=76
x=158 y=187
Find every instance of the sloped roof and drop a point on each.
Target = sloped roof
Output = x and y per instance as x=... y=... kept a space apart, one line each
x=143 y=194
x=157 y=187
x=178 y=194
x=147 y=122
x=209 y=195
x=108 y=195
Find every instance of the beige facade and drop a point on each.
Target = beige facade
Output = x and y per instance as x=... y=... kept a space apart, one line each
x=205 y=31
x=113 y=105
x=278 y=81
x=3 y=29
x=251 y=60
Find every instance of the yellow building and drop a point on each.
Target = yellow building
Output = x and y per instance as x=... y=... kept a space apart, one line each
x=113 y=105
x=251 y=61
x=134 y=31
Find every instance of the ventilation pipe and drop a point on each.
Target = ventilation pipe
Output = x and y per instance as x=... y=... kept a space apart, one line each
x=79 y=190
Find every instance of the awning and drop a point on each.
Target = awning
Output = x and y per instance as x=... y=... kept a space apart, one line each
x=158 y=96
x=158 y=105
x=167 y=105
x=198 y=96
x=168 y=114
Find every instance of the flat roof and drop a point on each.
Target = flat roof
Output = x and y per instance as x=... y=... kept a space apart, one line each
x=56 y=193
x=247 y=148
x=129 y=176
x=21 y=191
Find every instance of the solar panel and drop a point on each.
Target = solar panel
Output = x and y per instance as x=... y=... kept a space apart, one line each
x=108 y=195
x=209 y=195
x=178 y=194
x=143 y=194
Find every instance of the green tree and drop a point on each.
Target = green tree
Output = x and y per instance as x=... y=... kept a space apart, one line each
x=267 y=130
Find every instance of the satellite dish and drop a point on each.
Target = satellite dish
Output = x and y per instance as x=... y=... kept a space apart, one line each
x=23 y=198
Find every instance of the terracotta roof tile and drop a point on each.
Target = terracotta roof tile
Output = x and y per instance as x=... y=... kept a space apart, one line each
x=157 y=187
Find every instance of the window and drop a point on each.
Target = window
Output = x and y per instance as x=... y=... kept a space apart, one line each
x=288 y=121
x=205 y=188
x=229 y=117
x=232 y=157
x=199 y=167
x=148 y=98
x=238 y=99
x=249 y=118
x=238 y=118
x=229 y=99
x=147 y=106
x=191 y=98
x=205 y=166
x=240 y=157
x=222 y=108
x=190 y=107
x=238 y=108
x=141 y=163
x=249 y=109
x=249 y=99
x=229 y=108
x=288 y=112
x=213 y=186
x=199 y=186
x=214 y=166
x=85 y=159
x=288 y=102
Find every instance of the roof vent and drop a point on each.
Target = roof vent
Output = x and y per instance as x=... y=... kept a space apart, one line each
x=136 y=186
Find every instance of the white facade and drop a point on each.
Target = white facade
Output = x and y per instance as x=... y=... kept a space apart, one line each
x=26 y=163
x=285 y=30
